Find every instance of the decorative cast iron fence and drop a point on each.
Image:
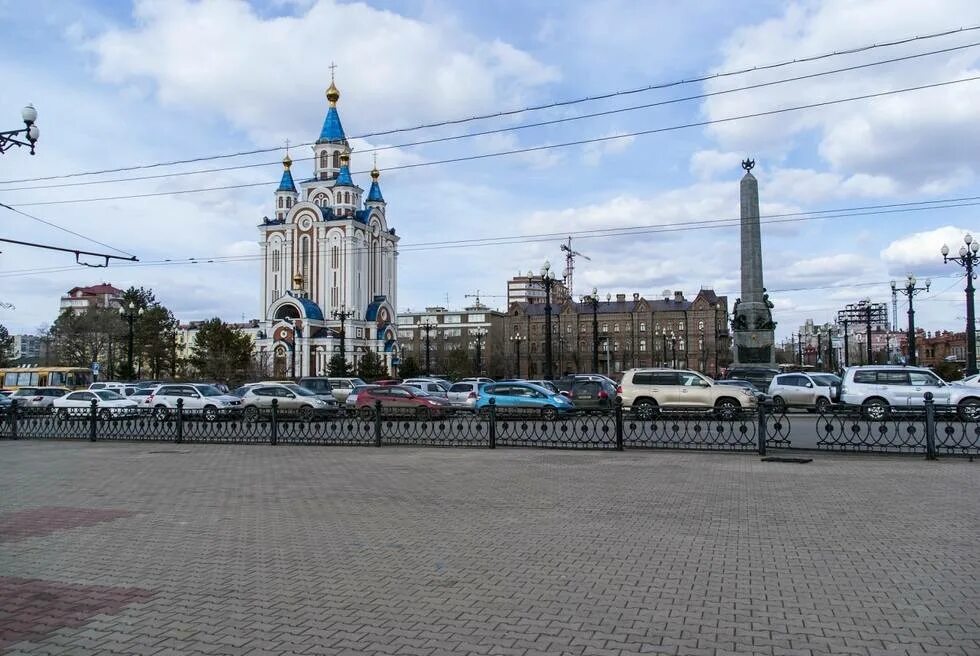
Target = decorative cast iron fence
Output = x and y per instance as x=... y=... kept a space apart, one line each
x=932 y=430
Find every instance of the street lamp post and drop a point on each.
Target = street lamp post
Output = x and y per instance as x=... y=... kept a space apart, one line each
x=701 y=351
x=548 y=280
x=516 y=340
x=593 y=302
x=342 y=315
x=7 y=140
x=867 y=328
x=673 y=350
x=478 y=335
x=799 y=346
x=967 y=259
x=911 y=290
x=130 y=314
x=428 y=327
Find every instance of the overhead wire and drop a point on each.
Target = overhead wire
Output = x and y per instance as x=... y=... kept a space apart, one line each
x=531 y=108
x=509 y=240
x=514 y=128
x=64 y=229
x=531 y=149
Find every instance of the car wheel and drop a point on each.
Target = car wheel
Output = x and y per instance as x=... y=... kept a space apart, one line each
x=160 y=412
x=105 y=414
x=727 y=409
x=251 y=414
x=366 y=413
x=423 y=413
x=823 y=404
x=646 y=409
x=63 y=414
x=549 y=414
x=778 y=404
x=484 y=412
x=210 y=413
x=874 y=409
x=969 y=410
x=306 y=413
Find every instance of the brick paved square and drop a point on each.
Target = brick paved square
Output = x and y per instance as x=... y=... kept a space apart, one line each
x=226 y=549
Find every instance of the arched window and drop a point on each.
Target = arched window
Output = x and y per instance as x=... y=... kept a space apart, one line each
x=280 y=202
x=334 y=257
x=347 y=197
x=304 y=260
x=324 y=161
x=289 y=202
x=336 y=159
x=275 y=259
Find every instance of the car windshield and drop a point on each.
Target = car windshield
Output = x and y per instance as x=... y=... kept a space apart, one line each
x=208 y=390
x=357 y=382
x=417 y=391
x=300 y=391
x=108 y=395
x=25 y=391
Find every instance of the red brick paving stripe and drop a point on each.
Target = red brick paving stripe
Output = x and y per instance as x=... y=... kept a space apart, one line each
x=32 y=608
x=35 y=522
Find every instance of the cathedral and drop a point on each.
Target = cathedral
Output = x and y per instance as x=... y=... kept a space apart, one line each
x=329 y=265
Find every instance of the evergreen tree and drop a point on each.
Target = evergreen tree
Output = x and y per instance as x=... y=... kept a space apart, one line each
x=222 y=353
x=6 y=346
x=371 y=367
x=338 y=367
x=409 y=367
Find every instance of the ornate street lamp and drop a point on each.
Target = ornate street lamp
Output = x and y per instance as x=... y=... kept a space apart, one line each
x=548 y=280
x=967 y=259
x=516 y=340
x=911 y=290
x=130 y=314
x=428 y=327
x=673 y=350
x=703 y=354
x=342 y=315
x=31 y=132
x=593 y=302
x=478 y=335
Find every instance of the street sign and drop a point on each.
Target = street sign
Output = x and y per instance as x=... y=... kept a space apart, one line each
x=95 y=368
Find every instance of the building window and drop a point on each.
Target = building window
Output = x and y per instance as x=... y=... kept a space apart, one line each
x=324 y=162
x=275 y=259
x=452 y=318
x=280 y=202
x=476 y=318
x=336 y=159
x=605 y=327
x=643 y=327
x=347 y=197
x=334 y=257
x=680 y=325
x=616 y=328
x=452 y=332
x=643 y=345
x=289 y=202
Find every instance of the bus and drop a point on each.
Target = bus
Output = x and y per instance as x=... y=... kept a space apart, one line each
x=71 y=377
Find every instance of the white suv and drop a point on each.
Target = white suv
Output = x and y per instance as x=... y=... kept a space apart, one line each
x=206 y=398
x=881 y=388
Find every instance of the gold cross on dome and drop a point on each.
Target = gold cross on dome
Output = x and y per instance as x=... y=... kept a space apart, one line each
x=332 y=68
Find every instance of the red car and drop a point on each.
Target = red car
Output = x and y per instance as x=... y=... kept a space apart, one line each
x=406 y=398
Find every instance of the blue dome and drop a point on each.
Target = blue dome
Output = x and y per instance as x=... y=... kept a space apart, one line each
x=332 y=130
x=374 y=194
x=343 y=178
x=286 y=184
x=311 y=309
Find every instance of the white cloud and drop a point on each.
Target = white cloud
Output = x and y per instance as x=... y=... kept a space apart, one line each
x=265 y=75
x=916 y=141
x=920 y=252
x=593 y=153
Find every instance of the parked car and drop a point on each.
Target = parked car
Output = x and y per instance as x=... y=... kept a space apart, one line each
x=402 y=397
x=477 y=379
x=38 y=397
x=109 y=385
x=523 y=396
x=207 y=399
x=568 y=379
x=736 y=382
x=832 y=381
x=350 y=403
x=464 y=395
x=289 y=397
x=388 y=382
x=108 y=404
x=645 y=391
x=342 y=387
x=5 y=404
x=592 y=395
x=973 y=381
x=799 y=390
x=6 y=392
x=758 y=376
x=320 y=385
x=547 y=384
x=880 y=389
x=433 y=387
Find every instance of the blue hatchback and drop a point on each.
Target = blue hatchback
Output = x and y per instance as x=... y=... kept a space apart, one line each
x=524 y=397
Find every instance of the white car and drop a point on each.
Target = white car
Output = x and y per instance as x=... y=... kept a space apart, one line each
x=970 y=381
x=880 y=389
x=800 y=390
x=206 y=399
x=108 y=405
x=38 y=397
x=431 y=385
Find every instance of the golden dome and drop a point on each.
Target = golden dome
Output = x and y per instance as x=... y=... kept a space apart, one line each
x=333 y=93
x=287 y=161
x=298 y=281
x=375 y=173
x=344 y=159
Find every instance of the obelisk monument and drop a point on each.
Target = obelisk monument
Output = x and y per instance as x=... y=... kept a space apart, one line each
x=752 y=324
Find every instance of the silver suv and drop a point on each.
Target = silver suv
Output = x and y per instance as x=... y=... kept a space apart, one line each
x=645 y=391
x=799 y=390
x=207 y=399
x=878 y=389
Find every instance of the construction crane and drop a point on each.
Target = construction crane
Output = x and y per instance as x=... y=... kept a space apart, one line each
x=477 y=296
x=570 y=264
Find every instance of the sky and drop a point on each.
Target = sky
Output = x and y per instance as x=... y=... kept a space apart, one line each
x=120 y=85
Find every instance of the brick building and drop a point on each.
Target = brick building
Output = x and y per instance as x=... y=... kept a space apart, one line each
x=635 y=332
x=452 y=339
